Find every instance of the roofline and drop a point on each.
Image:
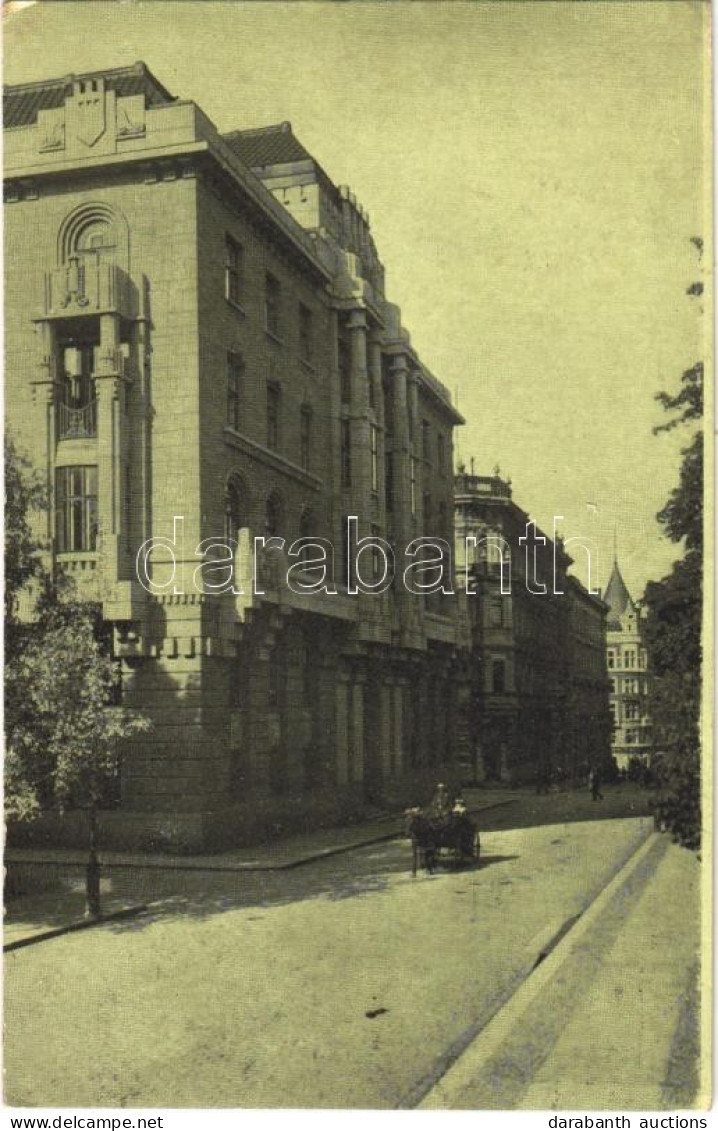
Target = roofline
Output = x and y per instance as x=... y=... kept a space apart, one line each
x=138 y=67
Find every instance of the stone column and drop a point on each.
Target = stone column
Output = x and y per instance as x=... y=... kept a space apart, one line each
x=375 y=377
x=108 y=382
x=343 y=688
x=360 y=416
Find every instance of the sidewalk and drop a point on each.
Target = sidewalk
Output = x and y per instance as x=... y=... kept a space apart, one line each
x=37 y=913
x=611 y=1019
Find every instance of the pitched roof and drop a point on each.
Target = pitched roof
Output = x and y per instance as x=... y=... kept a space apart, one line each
x=617 y=598
x=270 y=145
x=21 y=103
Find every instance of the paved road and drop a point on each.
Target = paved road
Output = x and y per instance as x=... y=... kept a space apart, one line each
x=342 y=984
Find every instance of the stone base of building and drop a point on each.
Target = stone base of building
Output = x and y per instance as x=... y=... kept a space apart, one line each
x=237 y=825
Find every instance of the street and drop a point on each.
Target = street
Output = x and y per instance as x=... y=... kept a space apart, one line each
x=345 y=983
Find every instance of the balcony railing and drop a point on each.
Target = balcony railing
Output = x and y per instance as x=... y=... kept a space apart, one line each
x=77 y=423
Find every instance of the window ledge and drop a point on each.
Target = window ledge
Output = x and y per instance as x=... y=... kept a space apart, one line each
x=271 y=458
x=235 y=306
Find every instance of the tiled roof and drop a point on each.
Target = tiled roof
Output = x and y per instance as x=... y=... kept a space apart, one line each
x=272 y=145
x=21 y=103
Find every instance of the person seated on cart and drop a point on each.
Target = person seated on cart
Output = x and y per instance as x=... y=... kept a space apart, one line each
x=465 y=827
x=440 y=806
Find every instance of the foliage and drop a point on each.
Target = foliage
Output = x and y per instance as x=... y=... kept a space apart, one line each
x=673 y=628
x=62 y=721
x=23 y=562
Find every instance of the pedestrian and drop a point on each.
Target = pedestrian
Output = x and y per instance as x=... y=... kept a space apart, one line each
x=594 y=781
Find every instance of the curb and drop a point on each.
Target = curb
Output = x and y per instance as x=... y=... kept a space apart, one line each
x=477 y=1053
x=192 y=865
x=69 y=928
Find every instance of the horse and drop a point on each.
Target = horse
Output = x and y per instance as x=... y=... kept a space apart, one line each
x=428 y=835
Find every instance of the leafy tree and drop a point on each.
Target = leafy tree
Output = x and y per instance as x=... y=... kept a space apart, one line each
x=673 y=626
x=62 y=714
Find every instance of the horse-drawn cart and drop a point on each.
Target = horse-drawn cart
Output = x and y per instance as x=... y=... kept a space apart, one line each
x=453 y=835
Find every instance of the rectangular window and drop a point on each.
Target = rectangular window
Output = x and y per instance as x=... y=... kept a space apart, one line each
x=441 y=453
x=235 y=375
x=389 y=480
x=272 y=302
x=611 y=660
x=498 y=677
x=273 y=406
x=426 y=441
x=496 y=612
x=305 y=334
x=374 y=447
x=632 y=711
x=76 y=509
x=346 y=453
x=233 y=270
x=305 y=437
x=345 y=371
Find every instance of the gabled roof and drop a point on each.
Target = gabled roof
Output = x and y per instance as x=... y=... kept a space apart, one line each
x=21 y=103
x=270 y=145
x=617 y=598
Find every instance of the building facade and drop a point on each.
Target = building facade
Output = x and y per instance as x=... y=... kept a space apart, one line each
x=200 y=353
x=629 y=677
x=539 y=700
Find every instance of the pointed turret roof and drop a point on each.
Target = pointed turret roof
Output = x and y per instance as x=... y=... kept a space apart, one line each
x=617 y=598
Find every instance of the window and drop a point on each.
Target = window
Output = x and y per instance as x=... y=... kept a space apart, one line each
x=234 y=509
x=76 y=509
x=611 y=659
x=632 y=711
x=345 y=370
x=498 y=677
x=441 y=453
x=273 y=516
x=496 y=612
x=272 y=297
x=305 y=334
x=630 y=658
x=374 y=446
x=426 y=441
x=305 y=436
x=612 y=683
x=274 y=396
x=233 y=269
x=389 y=480
x=235 y=375
x=346 y=453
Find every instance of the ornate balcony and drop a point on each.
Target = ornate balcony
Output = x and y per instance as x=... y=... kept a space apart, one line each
x=77 y=423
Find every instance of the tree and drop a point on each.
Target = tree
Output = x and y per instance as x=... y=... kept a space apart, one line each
x=673 y=626
x=62 y=713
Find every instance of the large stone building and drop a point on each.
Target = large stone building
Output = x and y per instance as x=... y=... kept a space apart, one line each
x=629 y=677
x=539 y=701
x=199 y=347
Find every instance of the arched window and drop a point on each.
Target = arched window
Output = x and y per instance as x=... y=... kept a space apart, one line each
x=273 y=516
x=235 y=508
x=307 y=529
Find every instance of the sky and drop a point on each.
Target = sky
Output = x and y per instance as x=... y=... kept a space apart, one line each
x=534 y=173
